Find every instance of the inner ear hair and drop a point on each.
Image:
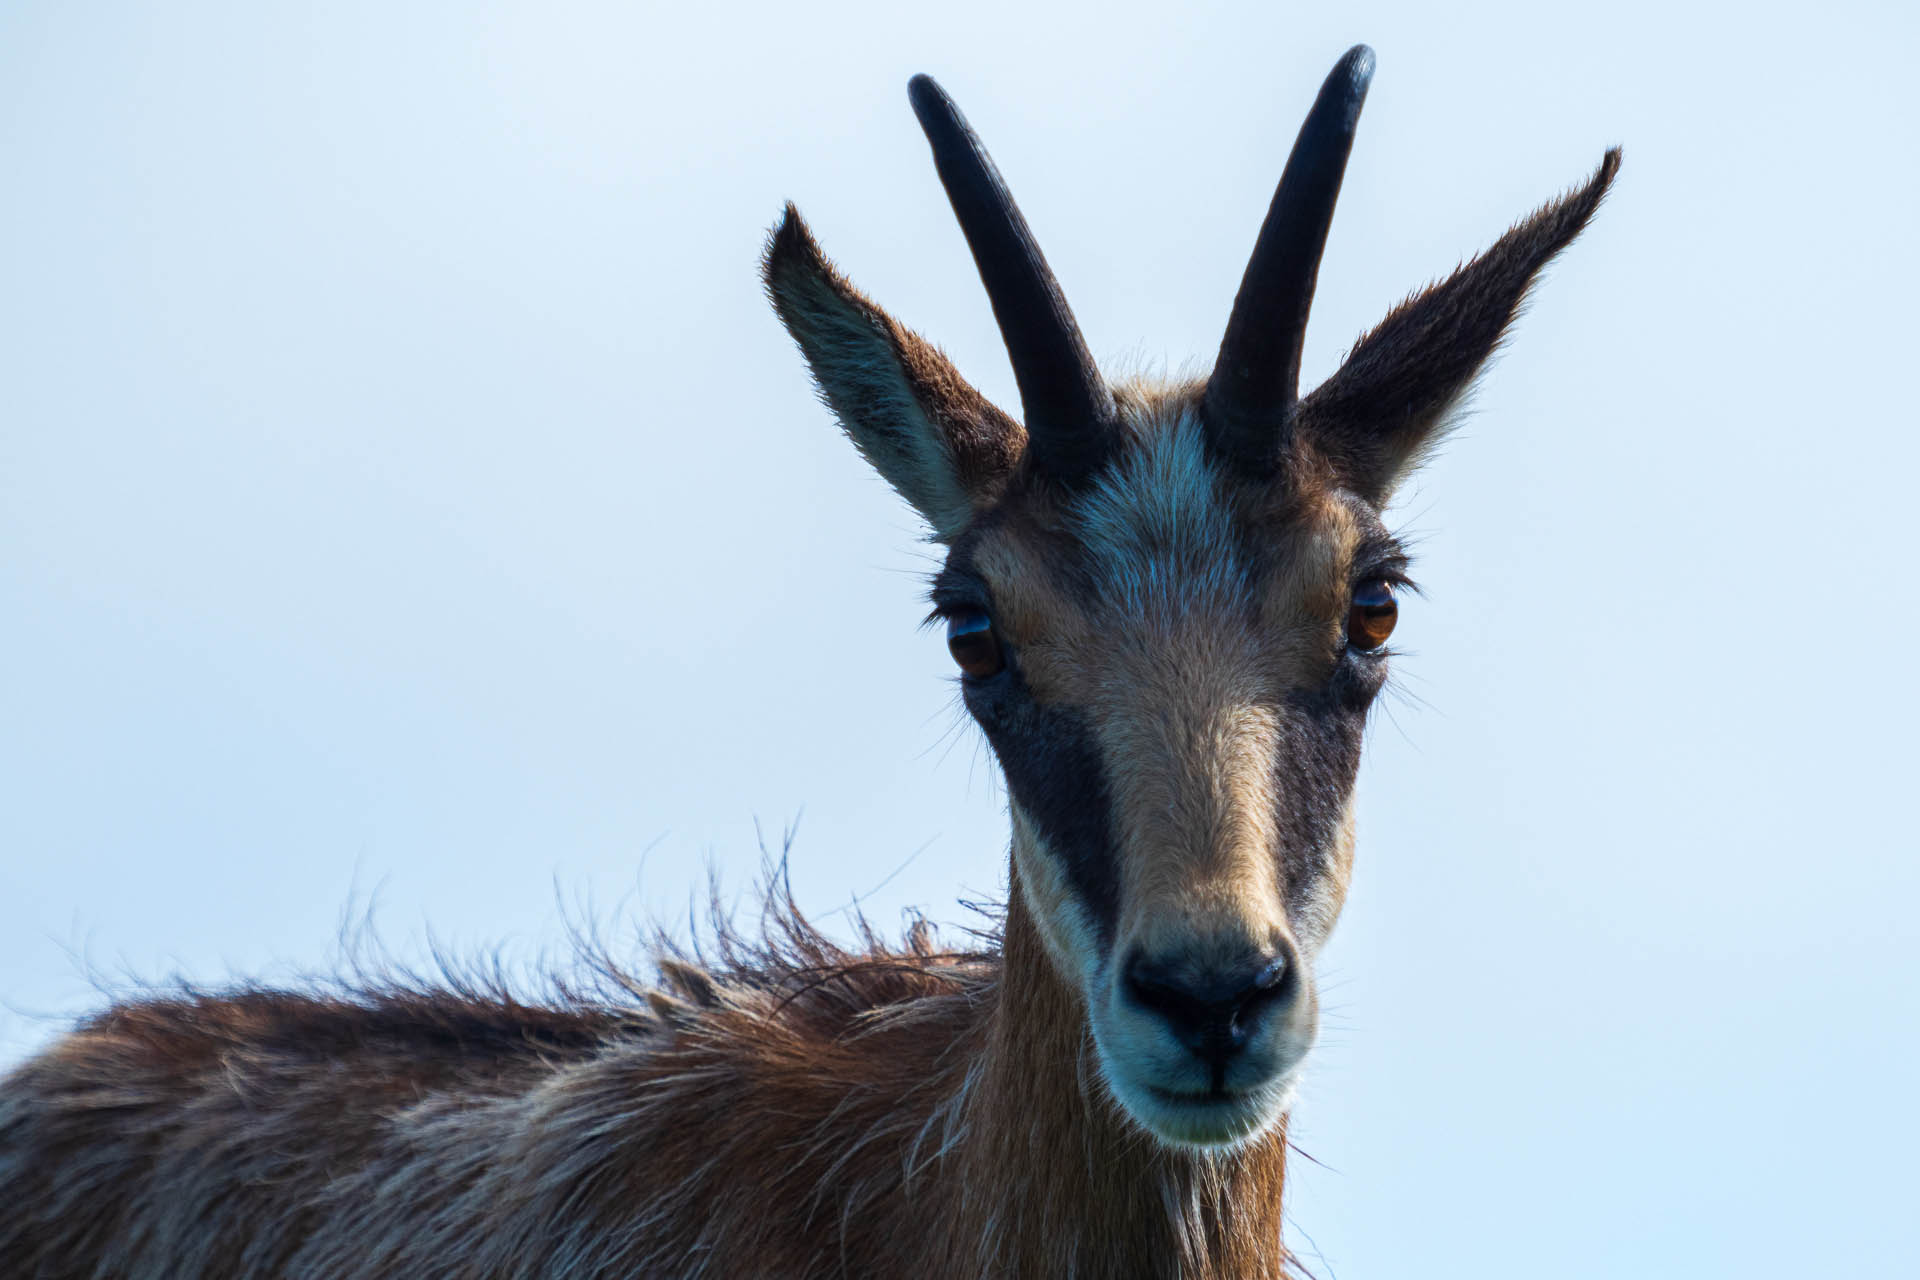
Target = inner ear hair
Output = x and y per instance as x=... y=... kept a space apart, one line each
x=945 y=447
x=1377 y=417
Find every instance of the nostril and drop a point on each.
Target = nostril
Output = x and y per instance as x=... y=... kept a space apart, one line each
x=1184 y=1012
x=1212 y=1010
x=1153 y=987
x=1272 y=985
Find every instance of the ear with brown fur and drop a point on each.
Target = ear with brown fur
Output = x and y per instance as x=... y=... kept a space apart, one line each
x=942 y=444
x=1389 y=403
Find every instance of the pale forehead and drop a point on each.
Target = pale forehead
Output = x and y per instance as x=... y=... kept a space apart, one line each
x=1164 y=533
x=1157 y=527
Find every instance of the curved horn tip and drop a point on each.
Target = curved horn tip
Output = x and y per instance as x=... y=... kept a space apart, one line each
x=927 y=97
x=940 y=116
x=1349 y=80
x=1357 y=63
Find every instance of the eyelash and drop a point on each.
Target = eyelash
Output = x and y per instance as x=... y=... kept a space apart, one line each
x=946 y=607
x=1392 y=572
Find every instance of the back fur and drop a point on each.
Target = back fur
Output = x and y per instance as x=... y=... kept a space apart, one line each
x=786 y=1108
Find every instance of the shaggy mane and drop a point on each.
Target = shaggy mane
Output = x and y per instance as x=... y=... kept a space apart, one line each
x=465 y=1017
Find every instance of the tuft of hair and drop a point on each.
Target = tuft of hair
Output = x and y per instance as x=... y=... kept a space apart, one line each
x=362 y=1127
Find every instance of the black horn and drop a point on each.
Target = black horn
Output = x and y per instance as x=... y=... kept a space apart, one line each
x=1256 y=379
x=1069 y=411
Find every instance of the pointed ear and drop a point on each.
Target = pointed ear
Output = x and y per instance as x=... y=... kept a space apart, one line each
x=942 y=444
x=1390 y=402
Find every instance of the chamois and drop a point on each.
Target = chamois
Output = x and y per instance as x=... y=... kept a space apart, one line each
x=1170 y=604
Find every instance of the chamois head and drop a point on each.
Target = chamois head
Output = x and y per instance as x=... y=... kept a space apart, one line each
x=1170 y=604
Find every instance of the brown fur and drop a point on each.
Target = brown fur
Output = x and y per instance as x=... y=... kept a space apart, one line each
x=934 y=1118
x=1179 y=720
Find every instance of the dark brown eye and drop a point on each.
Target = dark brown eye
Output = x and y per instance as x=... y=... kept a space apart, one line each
x=971 y=641
x=1372 y=615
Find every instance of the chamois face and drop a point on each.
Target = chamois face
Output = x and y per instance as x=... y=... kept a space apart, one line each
x=1170 y=604
x=1177 y=696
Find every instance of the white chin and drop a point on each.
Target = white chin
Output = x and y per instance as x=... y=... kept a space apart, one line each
x=1206 y=1122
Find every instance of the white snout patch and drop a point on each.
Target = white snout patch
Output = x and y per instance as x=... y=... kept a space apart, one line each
x=1169 y=1090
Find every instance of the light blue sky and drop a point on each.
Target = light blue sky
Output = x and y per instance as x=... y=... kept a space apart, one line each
x=405 y=492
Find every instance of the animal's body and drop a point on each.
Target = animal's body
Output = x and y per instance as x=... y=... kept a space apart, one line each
x=1169 y=604
x=858 y=1128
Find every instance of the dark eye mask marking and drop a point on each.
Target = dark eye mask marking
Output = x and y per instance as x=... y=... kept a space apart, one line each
x=1055 y=774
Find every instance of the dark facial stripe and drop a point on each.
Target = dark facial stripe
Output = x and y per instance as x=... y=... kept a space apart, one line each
x=1318 y=760
x=1055 y=775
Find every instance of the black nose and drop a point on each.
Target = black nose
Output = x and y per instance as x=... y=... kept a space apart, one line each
x=1214 y=1010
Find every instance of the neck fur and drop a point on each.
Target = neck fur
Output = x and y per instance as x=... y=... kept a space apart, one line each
x=1055 y=1181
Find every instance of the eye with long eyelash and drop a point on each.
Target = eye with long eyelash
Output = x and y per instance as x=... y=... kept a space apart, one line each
x=1371 y=614
x=973 y=644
